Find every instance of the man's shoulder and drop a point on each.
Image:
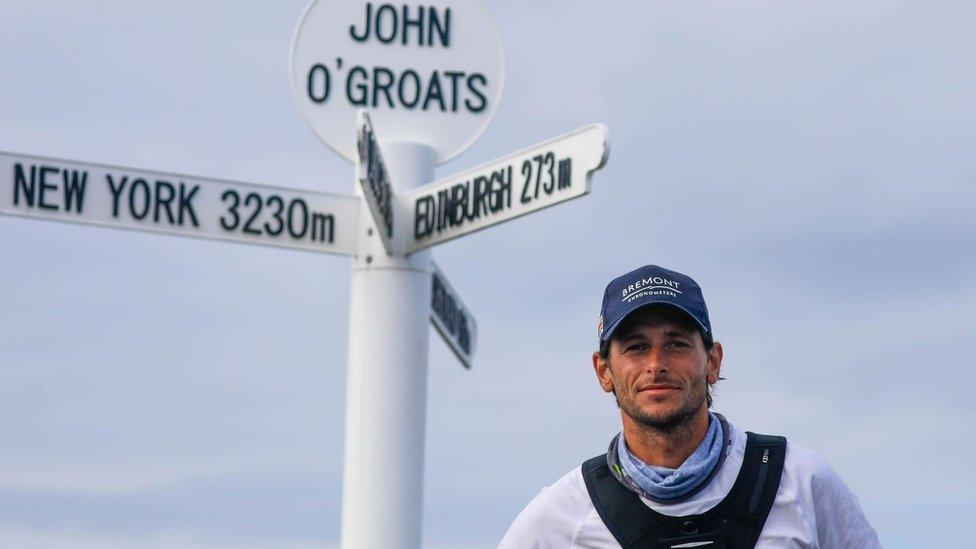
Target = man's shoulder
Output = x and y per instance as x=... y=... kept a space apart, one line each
x=808 y=472
x=813 y=495
x=799 y=459
x=554 y=516
x=809 y=466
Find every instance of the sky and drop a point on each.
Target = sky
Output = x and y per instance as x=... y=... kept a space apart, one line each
x=810 y=164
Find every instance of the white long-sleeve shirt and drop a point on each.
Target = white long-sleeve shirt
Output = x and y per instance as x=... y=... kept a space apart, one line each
x=813 y=508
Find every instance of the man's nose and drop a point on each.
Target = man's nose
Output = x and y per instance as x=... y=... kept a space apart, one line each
x=655 y=360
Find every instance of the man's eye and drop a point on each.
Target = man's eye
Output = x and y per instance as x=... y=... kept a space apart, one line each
x=637 y=347
x=679 y=344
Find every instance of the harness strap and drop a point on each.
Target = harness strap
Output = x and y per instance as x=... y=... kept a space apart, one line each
x=624 y=514
x=738 y=518
x=765 y=456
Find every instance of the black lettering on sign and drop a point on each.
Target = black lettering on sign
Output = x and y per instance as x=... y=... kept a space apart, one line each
x=45 y=171
x=21 y=182
x=39 y=186
x=459 y=202
x=230 y=195
x=186 y=203
x=165 y=193
x=413 y=93
x=444 y=306
x=143 y=192
x=454 y=76
x=319 y=74
x=479 y=203
x=443 y=29
x=168 y=202
x=443 y=208
x=443 y=91
x=434 y=92
x=490 y=193
x=368 y=24
x=465 y=201
x=382 y=80
x=74 y=190
x=482 y=101
x=116 y=192
x=323 y=227
x=527 y=177
x=501 y=190
x=424 y=215
x=441 y=305
x=403 y=25
x=538 y=174
x=377 y=182
x=385 y=23
x=361 y=89
x=301 y=222
x=537 y=161
x=417 y=23
x=275 y=201
x=565 y=173
x=449 y=312
x=548 y=164
x=292 y=218
x=252 y=200
x=393 y=24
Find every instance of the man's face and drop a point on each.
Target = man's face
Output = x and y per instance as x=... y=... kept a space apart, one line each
x=659 y=368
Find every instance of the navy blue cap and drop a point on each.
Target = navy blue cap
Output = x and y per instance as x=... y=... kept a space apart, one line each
x=651 y=285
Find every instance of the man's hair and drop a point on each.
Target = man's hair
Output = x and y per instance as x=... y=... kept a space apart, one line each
x=708 y=341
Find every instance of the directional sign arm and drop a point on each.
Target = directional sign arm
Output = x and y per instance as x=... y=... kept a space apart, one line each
x=137 y=199
x=374 y=180
x=523 y=182
x=451 y=318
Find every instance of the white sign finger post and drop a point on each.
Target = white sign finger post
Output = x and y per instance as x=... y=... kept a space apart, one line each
x=396 y=89
x=183 y=205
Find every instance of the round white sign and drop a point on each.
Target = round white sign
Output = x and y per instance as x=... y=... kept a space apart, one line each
x=428 y=72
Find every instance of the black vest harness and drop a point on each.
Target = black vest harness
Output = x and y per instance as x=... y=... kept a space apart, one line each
x=733 y=524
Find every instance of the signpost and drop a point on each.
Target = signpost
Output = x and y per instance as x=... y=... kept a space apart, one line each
x=452 y=318
x=523 y=182
x=374 y=181
x=131 y=198
x=430 y=74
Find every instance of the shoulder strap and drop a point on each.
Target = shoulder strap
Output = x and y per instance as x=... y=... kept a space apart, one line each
x=624 y=514
x=754 y=491
x=748 y=503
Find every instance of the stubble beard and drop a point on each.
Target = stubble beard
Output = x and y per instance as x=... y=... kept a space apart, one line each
x=673 y=421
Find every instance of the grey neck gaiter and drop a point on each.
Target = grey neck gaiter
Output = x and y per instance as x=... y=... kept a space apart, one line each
x=666 y=485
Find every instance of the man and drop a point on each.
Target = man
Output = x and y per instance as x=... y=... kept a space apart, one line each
x=679 y=475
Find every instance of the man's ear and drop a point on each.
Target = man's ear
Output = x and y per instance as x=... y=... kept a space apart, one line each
x=714 y=363
x=602 y=369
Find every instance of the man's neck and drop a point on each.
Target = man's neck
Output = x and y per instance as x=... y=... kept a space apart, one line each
x=665 y=448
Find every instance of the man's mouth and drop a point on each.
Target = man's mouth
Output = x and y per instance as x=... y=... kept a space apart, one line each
x=659 y=388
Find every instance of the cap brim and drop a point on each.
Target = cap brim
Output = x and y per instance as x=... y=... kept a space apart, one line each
x=609 y=330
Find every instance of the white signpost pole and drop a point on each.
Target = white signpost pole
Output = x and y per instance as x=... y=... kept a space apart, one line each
x=387 y=378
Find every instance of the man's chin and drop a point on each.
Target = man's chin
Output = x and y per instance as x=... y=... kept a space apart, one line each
x=667 y=419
